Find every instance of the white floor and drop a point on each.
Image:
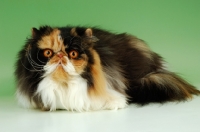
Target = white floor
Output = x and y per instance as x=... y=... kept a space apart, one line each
x=170 y=117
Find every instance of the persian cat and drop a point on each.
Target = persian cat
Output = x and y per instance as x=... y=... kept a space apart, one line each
x=86 y=69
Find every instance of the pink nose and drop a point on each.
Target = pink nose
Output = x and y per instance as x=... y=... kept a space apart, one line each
x=60 y=54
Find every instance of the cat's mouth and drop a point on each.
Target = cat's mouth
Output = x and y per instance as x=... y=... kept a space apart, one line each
x=61 y=62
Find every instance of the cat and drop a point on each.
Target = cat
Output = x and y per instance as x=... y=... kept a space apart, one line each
x=88 y=69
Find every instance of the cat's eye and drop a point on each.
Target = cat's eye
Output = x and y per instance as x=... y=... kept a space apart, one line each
x=73 y=54
x=48 y=53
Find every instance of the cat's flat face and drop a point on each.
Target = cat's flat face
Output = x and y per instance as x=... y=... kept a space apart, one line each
x=59 y=60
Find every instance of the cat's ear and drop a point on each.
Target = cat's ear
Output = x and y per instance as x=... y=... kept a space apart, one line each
x=73 y=32
x=43 y=30
x=89 y=35
x=88 y=32
x=85 y=33
x=35 y=32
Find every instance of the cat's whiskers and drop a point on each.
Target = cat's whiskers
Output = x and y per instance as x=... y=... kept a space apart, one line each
x=30 y=69
x=39 y=59
x=29 y=55
x=33 y=63
x=37 y=68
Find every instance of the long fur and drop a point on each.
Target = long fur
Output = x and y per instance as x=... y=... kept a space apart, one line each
x=109 y=72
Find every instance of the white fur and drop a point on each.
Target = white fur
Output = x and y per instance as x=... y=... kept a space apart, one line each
x=49 y=69
x=24 y=101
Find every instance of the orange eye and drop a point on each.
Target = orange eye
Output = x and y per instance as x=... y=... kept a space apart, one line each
x=73 y=54
x=48 y=53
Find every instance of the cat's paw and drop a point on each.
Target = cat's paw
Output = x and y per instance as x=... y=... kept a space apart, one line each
x=45 y=109
x=116 y=104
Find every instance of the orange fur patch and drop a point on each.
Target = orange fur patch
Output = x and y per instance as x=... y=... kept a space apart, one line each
x=99 y=88
x=52 y=41
x=80 y=64
x=59 y=75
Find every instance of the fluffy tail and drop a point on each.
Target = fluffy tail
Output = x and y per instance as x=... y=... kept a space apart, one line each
x=161 y=87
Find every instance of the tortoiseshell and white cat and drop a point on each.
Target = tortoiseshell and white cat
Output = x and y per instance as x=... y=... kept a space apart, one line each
x=85 y=69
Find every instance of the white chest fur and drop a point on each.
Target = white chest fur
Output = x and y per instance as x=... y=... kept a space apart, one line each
x=72 y=96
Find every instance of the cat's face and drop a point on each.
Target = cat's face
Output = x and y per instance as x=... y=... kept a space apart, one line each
x=60 y=57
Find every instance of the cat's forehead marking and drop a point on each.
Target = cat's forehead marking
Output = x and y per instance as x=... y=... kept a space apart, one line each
x=52 y=41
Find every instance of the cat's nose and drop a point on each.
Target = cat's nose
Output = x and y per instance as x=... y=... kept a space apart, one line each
x=60 y=54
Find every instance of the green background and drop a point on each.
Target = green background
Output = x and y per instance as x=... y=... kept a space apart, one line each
x=170 y=27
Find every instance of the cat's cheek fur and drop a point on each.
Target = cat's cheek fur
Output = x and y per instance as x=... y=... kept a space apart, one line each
x=69 y=68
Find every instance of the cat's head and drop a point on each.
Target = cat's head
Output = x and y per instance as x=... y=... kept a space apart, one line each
x=59 y=53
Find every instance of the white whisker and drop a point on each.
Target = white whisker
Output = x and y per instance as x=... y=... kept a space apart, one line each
x=29 y=55
x=33 y=64
x=36 y=67
x=29 y=69
x=39 y=59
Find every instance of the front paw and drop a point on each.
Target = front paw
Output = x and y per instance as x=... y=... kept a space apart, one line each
x=116 y=104
x=45 y=108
